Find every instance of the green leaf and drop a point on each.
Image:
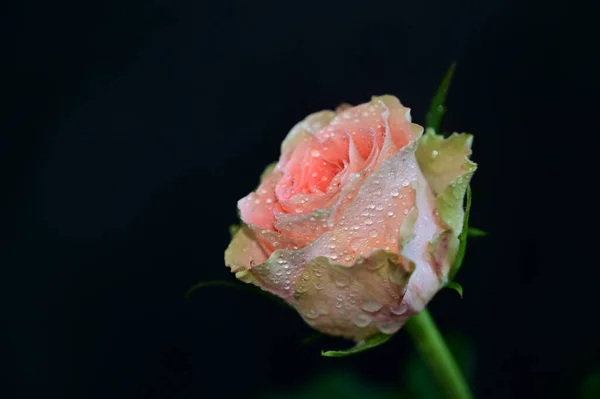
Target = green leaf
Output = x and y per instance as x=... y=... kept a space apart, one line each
x=362 y=346
x=456 y=287
x=437 y=108
x=462 y=238
x=475 y=232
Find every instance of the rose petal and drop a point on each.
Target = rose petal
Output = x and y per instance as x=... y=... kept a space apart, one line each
x=258 y=207
x=357 y=301
x=244 y=251
x=448 y=170
x=307 y=127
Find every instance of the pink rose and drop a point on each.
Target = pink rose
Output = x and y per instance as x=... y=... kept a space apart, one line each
x=357 y=224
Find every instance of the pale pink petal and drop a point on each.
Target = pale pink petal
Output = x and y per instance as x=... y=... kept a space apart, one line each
x=258 y=207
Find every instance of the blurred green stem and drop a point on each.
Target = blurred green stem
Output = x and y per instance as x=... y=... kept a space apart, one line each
x=436 y=354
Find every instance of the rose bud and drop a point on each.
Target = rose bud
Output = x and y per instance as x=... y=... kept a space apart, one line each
x=357 y=225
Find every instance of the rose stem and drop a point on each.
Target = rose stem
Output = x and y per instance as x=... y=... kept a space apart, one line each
x=432 y=347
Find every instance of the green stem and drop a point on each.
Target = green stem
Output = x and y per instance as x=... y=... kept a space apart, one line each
x=432 y=347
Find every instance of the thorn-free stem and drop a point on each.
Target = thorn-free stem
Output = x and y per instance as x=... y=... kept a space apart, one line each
x=435 y=352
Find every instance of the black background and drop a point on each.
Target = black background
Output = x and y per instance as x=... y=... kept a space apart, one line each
x=132 y=128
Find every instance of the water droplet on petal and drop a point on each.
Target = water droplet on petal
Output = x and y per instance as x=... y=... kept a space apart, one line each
x=368 y=222
x=373 y=233
x=394 y=193
x=434 y=153
x=371 y=306
x=342 y=280
x=390 y=327
x=362 y=320
x=390 y=213
x=315 y=153
x=399 y=309
x=311 y=314
x=301 y=289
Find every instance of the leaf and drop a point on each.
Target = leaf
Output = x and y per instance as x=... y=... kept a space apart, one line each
x=462 y=238
x=437 y=108
x=362 y=346
x=456 y=287
x=241 y=286
x=475 y=232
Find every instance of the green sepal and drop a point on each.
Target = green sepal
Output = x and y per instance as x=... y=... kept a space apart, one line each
x=475 y=232
x=456 y=287
x=462 y=238
x=362 y=346
x=437 y=108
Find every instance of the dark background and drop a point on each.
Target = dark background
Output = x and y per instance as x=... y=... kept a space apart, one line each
x=132 y=128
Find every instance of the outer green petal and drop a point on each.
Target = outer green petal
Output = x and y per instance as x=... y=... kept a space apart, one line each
x=446 y=166
x=243 y=252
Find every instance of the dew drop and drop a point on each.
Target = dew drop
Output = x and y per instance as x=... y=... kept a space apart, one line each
x=379 y=207
x=406 y=183
x=394 y=193
x=315 y=153
x=319 y=285
x=368 y=222
x=391 y=327
x=301 y=289
x=390 y=213
x=373 y=233
x=362 y=320
x=371 y=306
x=434 y=153
x=342 y=280
x=305 y=276
x=400 y=309
x=312 y=314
